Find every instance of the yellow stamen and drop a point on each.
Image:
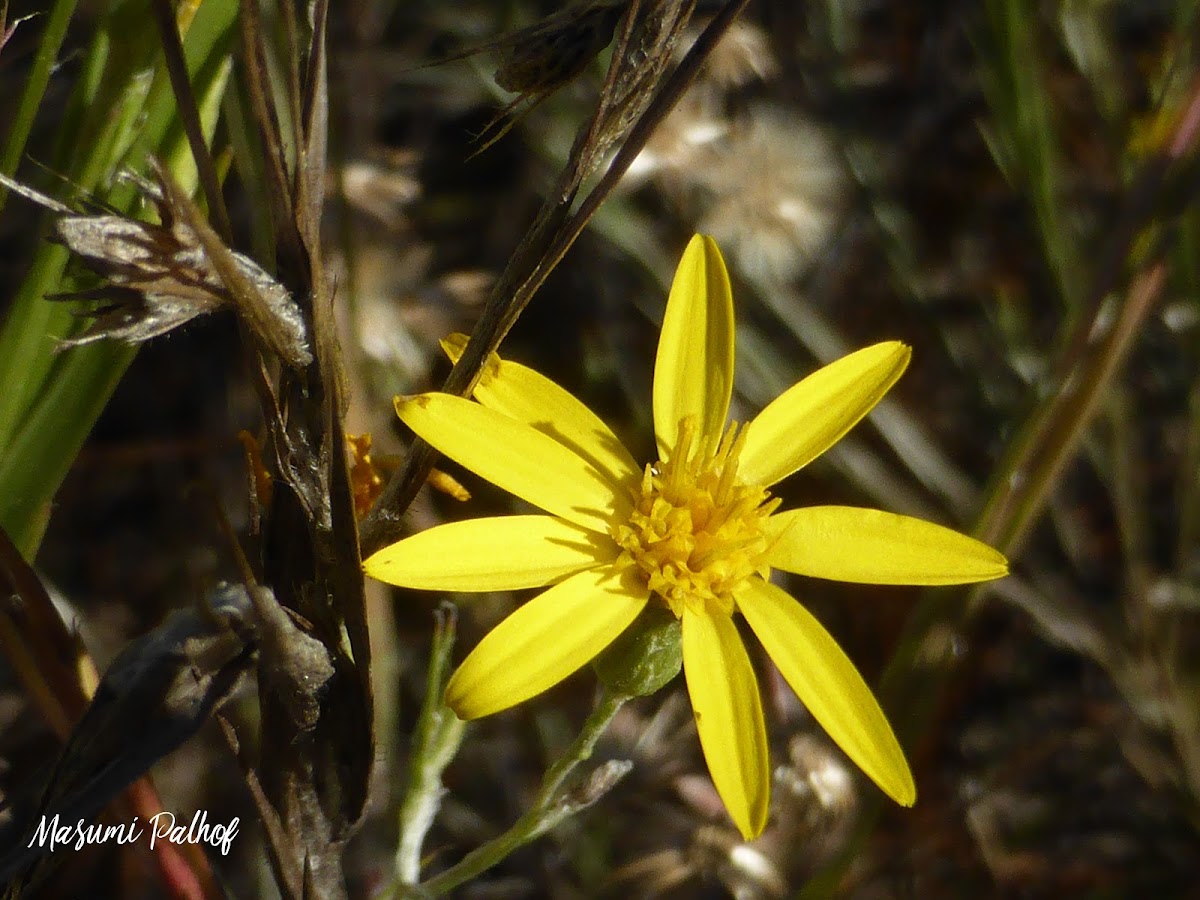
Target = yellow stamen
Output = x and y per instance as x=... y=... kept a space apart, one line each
x=695 y=532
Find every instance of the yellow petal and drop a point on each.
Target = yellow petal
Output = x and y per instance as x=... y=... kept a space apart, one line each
x=828 y=684
x=868 y=546
x=810 y=417
x=544 y=641
x=496 y=554
x=693 y=372
x=516 y=458
x=538 y=402
x=729 y=718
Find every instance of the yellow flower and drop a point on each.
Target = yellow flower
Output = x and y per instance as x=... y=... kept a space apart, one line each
x=696 y=530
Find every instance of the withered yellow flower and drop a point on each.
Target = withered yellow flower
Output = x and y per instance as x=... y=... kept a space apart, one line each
x=697 y=531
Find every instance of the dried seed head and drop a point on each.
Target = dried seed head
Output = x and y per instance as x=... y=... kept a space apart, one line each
x=158 y=276
x=703 y=123
x=540 y=59
x=153 y=281
x=776 y=221
x=742 y=57
x=545 y=56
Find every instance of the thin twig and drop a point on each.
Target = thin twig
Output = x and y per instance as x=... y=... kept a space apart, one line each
x=189 y=115
x=385 y=524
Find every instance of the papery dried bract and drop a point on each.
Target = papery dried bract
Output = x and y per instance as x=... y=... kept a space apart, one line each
x=158 y=276
x=154 y=284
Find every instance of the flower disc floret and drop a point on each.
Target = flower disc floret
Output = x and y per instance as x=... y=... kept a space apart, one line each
x=695 y=534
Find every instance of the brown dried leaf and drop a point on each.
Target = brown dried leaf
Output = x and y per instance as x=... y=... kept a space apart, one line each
x=44 y=654
x=316 y=746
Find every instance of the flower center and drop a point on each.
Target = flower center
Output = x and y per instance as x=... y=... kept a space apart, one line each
x=695 y=532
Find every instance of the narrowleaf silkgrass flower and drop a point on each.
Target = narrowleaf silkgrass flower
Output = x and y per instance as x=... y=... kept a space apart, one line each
x=697 y=531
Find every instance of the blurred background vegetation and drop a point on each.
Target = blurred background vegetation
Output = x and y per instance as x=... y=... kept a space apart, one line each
x=1008 y=185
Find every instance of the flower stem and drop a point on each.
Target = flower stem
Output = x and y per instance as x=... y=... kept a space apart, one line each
x=549 y=808
x=438 y=736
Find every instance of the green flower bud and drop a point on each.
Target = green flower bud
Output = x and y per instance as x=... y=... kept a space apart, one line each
x=647 y=655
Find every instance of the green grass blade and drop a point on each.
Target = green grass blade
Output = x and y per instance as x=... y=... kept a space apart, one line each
x=57 y=21
x=117 y=117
